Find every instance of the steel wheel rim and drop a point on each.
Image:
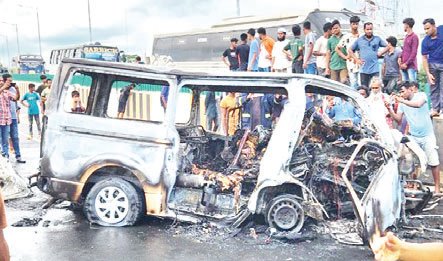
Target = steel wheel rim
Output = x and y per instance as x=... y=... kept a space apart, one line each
x=287 y=215
x=111 y=205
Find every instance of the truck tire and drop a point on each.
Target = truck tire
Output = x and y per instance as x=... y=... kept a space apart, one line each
x=113 y=202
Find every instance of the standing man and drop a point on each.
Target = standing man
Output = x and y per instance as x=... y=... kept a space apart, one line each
x=164 y=94
x=229 y=114
x=253 y=52
x=320 y=49
x=13 y=131
x=42 y=86
x=230 y=53
x=265 y=53
x=368 y=46
x=280 y=61
x=309 y=58
x=5 y=112
x=414 y=107
x=295 y=49
x=45 y=95
x=409 y=55
x=242 y=52
x=336 y=65
x=123 y=99
x=391 y=66
x=432 y=52
x=29 y=100
x=211 y=112
x=346 y=43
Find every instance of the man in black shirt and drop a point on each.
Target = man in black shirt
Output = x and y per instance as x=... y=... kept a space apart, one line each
x=232 y=61
x=242 y=52
x=42 y=86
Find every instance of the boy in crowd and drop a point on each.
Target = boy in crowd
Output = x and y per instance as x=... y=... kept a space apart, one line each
x=242 y=52
x=346 y=42
x=253 y=51
x=408 y=57
x=265 y=53
x=231 y=55
x=77 y=106
x=309 y=59
x=321 y=48
x=123 y=99
x=294 y=49
x=29 y=100
x=391 y=68
x=335 y=64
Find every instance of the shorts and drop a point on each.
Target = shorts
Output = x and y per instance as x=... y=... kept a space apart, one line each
x=429 y=145
x=121 y=107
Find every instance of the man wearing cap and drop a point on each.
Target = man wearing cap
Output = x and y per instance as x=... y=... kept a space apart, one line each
x=280 y=60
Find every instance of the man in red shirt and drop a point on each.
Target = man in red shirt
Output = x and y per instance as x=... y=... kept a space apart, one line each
x=408 y=57
x=5 y=112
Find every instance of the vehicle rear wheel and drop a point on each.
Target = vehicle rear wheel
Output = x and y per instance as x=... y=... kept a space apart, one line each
x=113 y=202
x=284 y=213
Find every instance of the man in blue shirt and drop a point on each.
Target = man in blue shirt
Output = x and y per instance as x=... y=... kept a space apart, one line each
x=253 y=52
x=368 y=46
x=342 y=110
x=432 y=52
x=414 y=107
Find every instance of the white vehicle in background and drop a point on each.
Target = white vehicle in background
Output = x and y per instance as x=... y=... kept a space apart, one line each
x=94 y=51
x=200 y=50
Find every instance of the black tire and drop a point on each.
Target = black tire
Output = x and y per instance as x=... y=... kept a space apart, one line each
x=113 y=202
x=285 y=213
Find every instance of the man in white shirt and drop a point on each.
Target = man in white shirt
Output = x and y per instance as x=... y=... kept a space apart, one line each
x=309 y=59
x=320 y=49
x=265 y=53
x=346 y=42
x=280 y=60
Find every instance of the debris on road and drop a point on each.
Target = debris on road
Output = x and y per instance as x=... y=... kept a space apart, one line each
x=15 y=186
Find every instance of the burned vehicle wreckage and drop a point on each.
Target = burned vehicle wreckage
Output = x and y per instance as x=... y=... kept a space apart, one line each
x=297 y=163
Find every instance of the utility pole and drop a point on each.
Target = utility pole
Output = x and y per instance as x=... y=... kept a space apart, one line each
x=7 y=50
x=38 y=26
x=16 y=32
x=90 y=29
x=238 y=7
x=18 y=44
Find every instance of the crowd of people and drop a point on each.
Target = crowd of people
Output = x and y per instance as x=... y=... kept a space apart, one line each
x=353 y=59
x=10 y=100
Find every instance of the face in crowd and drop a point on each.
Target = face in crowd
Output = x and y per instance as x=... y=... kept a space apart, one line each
x=369 y=30
x=336 y=30
x=430 y=29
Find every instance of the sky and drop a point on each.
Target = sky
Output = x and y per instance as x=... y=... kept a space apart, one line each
x=131 y=24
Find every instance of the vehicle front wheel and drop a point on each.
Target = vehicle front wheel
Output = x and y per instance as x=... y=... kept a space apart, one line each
x=285 y=213
x=113 y=202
